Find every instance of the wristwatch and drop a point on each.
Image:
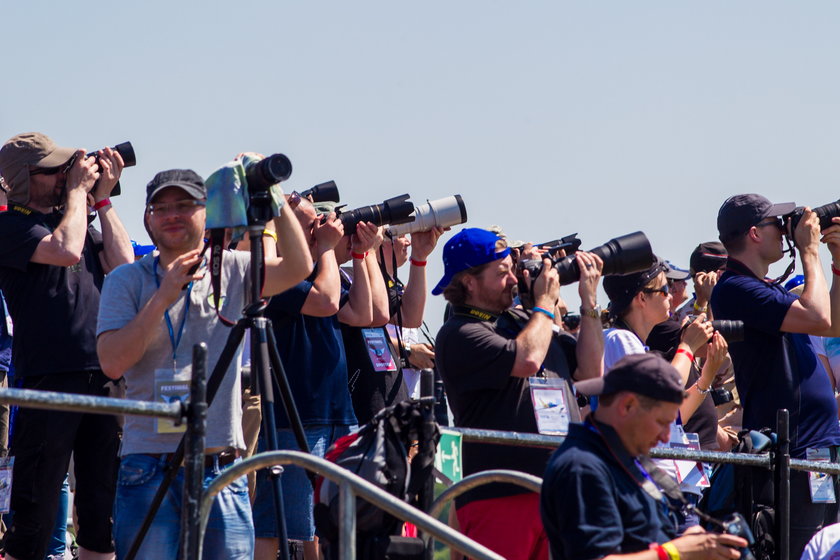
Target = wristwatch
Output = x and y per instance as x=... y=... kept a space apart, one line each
x=595 y=312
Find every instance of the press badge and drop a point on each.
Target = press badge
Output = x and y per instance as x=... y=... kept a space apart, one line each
x=376 y=343
x=172 y=386
x=550 y=408
x=820 y=484
x=6 y=464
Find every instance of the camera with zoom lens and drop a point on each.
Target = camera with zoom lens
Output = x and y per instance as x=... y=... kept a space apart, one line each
x=394 y=211
x=730 y=330
x=126 y=151
x=825 y=213
x=736 y=525
x=262 y=174
x=322 y=192
x=444 y=212
x=622 y=255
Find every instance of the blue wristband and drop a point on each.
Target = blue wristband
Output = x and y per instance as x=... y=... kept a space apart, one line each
x=545 y=312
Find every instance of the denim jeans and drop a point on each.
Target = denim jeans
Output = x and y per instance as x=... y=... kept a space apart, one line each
x=297 y=490
x=230 y=530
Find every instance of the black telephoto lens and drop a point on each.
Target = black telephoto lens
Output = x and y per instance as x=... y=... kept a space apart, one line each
x=126 y=151
x=825 y=213
x=324 y=192
x=393 y=211
x=622 y=255
x=731 y=331
x=267 y=172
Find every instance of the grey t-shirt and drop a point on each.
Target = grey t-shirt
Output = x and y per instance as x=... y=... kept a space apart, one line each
x=125 y=292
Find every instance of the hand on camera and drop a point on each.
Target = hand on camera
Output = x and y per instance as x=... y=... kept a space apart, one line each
x=110 y=168
x=327 y=234
x=365 y=238
x=546 y=287
x=697 y=333
x=424 y=242
x=704 y=283
x=701 y=545
x=831 y=237
x=716 y=351
x=591 y=267
x=807 y=233
x=422 y=356
x=83 y=174
x=177 y=275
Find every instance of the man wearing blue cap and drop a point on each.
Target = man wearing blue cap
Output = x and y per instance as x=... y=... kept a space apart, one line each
x=775 y=365
x=486 y=352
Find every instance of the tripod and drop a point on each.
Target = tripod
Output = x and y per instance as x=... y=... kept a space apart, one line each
x=264 y=359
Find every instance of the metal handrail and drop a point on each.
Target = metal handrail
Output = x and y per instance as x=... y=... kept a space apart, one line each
x=529 y=481
x=351 y=485
x=761 y=460
x=52 y=400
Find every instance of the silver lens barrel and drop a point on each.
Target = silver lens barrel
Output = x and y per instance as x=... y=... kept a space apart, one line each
x=444 y=212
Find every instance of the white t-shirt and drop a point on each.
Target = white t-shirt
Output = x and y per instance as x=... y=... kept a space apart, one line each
x=825 y=545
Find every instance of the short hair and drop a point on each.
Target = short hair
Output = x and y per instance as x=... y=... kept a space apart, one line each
x=456 y=292
x=646 y=403
x=735 y=244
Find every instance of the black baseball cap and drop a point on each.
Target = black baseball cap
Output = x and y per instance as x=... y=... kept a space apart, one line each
x=644 y=374
x=708 y=257
x=185 y=179
x=741 y=212
x=622 y=289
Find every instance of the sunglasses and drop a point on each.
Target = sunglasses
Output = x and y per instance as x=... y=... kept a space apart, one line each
x=664 y=290
x=53 y=170
x=778 y=222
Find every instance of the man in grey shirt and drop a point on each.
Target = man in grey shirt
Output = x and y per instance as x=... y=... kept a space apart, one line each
x=152 y=313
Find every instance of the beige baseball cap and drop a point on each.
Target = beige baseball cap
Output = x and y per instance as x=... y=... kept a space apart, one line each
x=25 y=150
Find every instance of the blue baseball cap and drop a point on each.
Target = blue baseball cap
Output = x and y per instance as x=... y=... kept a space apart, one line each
x=469 y=248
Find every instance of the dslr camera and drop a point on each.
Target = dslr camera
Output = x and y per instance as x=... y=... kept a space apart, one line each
x=126 y=151
x=730 y=330
x=825 y=213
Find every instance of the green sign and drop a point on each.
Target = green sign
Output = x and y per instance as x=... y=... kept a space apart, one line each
x=448 y=457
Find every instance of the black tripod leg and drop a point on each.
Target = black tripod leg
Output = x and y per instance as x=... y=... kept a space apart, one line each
x=262 y=374
x=286 y=390
x=174 y=463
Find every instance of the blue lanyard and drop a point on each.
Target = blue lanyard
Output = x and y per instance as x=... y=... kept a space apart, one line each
x=174 y=341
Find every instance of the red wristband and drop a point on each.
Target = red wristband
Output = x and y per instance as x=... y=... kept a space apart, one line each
x=102 y=204
x=358 y=255
x=661 y=553
x=834 y=270
x=3 y=208
x=688 y=354
x=415 y=262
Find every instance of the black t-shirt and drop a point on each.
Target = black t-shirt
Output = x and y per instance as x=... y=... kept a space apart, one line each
x=370 y=390
x=54 y=308
x=475 y=358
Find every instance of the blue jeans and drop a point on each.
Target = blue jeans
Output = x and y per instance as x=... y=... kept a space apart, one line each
x=297 y=490
x=230 y=530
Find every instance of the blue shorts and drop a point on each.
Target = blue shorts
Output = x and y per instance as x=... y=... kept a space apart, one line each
x=230 y=531
x=297 y=490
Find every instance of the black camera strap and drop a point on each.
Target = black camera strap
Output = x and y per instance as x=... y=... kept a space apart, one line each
x=217 y=249
x=789 y=270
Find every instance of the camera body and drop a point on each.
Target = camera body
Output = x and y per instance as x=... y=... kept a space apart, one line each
x=730 y=330
x=126 y=151
x=736 y=525
x=825 y=213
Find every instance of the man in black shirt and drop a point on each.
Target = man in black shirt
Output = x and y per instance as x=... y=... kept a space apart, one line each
x=486 y=357
x=52 y=265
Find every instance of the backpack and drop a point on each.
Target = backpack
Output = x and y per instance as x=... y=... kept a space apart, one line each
x=379 y=453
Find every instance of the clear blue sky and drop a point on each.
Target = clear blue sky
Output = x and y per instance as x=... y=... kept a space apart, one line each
x=548 y=117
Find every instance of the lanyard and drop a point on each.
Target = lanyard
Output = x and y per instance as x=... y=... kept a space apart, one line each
x=172 y=339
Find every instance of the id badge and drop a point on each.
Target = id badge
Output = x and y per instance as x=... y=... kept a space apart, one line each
x=550 y=408
x=172 y=386
x=688 y=472
x=820 y=484
x=377 y=347
x=6 y=464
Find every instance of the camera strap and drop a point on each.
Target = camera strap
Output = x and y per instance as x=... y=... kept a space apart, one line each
x=791 y=266
x=217 y=249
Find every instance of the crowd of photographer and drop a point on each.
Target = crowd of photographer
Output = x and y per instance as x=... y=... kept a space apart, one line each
x=656 y=366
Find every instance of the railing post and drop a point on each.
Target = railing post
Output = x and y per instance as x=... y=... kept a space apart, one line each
x=346 y=522
x=191 y=535
x=782 y=484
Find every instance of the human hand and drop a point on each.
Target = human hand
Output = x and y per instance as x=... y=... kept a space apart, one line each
x=703 y=545
x=424 y=242
x=110 y=168
x=697 y=333
x=716 y=351
x=831 y=237
x=365 y=237
x=807 y=232
x=590 y=266
x=327 y=232
x=704 y=283
x=83 y=173
x=177 y=275
x=422 y=356
x=546 y=286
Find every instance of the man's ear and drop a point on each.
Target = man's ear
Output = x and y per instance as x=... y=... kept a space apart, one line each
x=626 y=403
x=469 y=281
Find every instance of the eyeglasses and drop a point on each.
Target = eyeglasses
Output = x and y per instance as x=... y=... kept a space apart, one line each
x=664 y=290
x=53 y=170
x=178 y=207
x=778 y=222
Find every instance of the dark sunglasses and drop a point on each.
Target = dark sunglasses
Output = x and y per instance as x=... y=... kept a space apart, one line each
x=53 y=170
x=778 y=222
x=664 y=290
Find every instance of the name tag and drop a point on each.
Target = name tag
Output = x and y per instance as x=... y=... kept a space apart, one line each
x=550 y=407
x=172 y=386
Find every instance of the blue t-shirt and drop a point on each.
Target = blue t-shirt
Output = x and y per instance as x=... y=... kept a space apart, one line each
x=313 y=357
x=774 y=369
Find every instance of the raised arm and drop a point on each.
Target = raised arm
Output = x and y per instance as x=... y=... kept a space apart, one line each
x=290 y=262
x=414 y=298
x=115 y=240
x=533 y=341
x=590 y=340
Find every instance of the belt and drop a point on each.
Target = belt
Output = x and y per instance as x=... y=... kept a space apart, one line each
x=225 y=458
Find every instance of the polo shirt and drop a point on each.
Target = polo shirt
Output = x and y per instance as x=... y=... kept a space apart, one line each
x=775 y=369
x=592 y=502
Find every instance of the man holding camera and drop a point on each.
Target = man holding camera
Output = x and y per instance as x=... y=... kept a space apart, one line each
x=153 y=312
x=486 y=353
x=775 y=365
x=601 y=495
x=52 y=265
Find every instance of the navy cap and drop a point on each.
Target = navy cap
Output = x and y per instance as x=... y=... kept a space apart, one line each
x=185 y=179
x=741 y=212
x=644 y=374
x=708 y=257
x=622 y=289
x=469 y=248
